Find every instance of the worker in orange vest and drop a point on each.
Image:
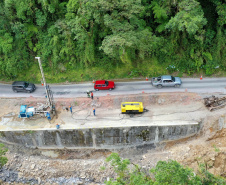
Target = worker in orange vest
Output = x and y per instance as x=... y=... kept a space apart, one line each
x=92 y=95
x=94 y=112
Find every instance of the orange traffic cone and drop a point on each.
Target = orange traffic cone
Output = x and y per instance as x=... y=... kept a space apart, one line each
x=142 y=91
x=146 y=78
x=42 y=84
x=201 y=77
x=93 y=81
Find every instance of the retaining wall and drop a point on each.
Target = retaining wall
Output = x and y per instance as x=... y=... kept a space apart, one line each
x=98 y=138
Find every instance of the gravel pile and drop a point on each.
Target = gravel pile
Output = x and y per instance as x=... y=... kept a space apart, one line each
x=12 y=177
x=34 y=169
x=72 y=180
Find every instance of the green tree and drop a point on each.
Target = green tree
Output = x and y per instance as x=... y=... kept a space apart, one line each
x=171 y=172
x=130 y=38
x=125 y=176
x=83 y=19
x=165 y=172
x=190 y=18
x=107 y=34
x=208 y=178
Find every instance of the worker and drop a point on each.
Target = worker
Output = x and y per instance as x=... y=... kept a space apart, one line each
x=70 y=108
x=48 y=116
x=94 y=112
x=57 y=126
x=92 y=95
x=88 y=94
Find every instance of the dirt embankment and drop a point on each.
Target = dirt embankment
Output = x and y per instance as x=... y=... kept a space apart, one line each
x=110 y=102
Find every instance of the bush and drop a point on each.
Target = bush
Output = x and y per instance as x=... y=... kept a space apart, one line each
x=165 y=172
x=3 y=159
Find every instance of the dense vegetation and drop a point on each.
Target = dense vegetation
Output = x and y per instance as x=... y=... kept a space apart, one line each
x=83 y=39
x=164 y=173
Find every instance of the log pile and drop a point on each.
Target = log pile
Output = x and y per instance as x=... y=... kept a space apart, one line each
x=214 y=103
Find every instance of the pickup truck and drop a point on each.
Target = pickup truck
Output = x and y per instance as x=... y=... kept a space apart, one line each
x=166 y=81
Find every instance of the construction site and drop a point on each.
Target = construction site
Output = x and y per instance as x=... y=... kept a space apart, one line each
x=72 y=145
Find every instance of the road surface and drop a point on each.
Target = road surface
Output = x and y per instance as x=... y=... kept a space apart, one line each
x=206 y=85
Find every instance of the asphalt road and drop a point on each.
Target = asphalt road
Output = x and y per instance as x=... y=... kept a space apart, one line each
x=206 y=85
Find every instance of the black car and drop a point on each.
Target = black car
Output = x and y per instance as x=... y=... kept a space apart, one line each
x=21 y=86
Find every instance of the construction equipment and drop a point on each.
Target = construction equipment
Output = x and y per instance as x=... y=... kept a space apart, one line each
x=49 y=93
x=214 y=103
x=27 y=112
x=132 y=107
x=47 y=109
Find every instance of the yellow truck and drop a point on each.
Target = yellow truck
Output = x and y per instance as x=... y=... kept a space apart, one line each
x=132 y=107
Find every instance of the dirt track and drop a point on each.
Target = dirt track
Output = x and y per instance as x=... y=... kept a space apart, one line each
x=163 y=109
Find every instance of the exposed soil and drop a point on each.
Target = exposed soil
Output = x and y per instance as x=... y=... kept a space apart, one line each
x=208 y=146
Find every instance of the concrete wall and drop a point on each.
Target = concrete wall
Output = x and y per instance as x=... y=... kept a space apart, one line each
x=104 y=138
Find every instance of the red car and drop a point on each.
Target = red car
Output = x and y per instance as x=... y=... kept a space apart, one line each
x=104 y=85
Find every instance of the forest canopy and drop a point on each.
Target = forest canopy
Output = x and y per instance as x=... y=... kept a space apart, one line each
x=187 y=35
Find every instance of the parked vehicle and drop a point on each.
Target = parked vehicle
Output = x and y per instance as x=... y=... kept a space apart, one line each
x=104 y=85
x=166 y=81
x=22 y=86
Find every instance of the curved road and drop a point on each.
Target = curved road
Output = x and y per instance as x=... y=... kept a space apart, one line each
x=206 y=85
